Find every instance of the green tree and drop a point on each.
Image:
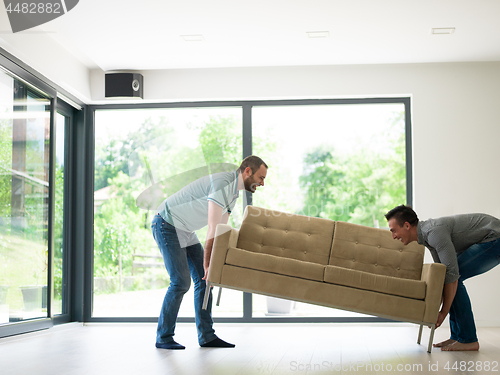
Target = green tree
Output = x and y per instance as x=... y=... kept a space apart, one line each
x=108 y=163
x=6 y=165
x=220 y=140
x=120 y=227
x=58 y=230
x=356 y=187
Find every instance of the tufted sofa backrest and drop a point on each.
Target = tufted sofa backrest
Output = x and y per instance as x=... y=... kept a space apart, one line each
x=374 y=250
x=286 y=235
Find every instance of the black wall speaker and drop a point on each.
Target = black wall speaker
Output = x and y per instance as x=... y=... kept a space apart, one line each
x=124 y=85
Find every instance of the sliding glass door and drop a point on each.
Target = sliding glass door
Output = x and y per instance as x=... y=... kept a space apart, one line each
x=33 y=257
x=25 y=115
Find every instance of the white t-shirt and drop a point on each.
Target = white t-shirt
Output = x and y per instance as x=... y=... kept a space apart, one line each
x=187 y=210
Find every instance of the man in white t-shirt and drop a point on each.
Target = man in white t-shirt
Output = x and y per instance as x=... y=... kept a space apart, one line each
x=206 y=201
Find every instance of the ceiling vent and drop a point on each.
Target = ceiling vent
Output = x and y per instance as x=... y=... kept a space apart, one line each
x=192 y=38
x=442 y=30
x=318 y=34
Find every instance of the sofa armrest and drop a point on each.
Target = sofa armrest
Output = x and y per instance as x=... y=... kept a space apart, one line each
x=225 y=237
x=433 y=275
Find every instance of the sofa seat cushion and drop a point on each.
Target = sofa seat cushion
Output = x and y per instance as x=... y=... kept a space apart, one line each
x=378 y=283
x=275 y=264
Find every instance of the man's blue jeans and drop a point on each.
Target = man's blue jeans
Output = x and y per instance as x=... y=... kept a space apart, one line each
x=182 y=264
x=476 y=260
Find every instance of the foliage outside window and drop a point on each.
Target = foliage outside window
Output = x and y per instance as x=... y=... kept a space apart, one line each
x=158 y=145
x=24 y=200
x=338 y=162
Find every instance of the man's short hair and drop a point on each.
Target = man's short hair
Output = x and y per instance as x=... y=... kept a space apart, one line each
x=252 y=161
x=402 y=214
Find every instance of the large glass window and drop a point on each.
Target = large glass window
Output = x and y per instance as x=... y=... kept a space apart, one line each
x=135 y=151
x=24 y=200
x=345 y=162
x=339 y=162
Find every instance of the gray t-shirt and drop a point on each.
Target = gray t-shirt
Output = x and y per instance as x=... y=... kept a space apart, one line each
x=449 y=236
x=187 y=210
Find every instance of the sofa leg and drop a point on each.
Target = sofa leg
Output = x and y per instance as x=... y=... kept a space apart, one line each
x=429 y=348
x=420 y=334
x=218 y=296
x=207 y=295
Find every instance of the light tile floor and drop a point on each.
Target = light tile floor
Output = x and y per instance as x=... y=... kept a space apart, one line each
x=95 y=349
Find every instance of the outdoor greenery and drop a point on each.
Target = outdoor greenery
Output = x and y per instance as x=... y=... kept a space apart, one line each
x=5 y=178
x=358 y=187
x=129 y=165
x=22 y=263
x=58 y=232
x=23 y=242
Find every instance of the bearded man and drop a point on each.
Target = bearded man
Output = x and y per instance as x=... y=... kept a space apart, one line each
x=207 y=201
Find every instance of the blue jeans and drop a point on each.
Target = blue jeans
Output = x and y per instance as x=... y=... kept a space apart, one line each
x=182 y=264
x=476 y=260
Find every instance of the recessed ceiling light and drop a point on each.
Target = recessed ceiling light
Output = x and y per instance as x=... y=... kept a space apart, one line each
x=442 y=30
x=192 y=38
x=318 y=34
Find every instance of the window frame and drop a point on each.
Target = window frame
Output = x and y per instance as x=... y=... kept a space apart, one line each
x=69 y=114
x=246 y=107
x=38 y=84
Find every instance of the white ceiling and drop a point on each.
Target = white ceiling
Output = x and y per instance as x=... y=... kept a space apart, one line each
x=146 y=34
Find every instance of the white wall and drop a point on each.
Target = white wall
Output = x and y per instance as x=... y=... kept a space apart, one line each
x=456 y=127
x=41 y=52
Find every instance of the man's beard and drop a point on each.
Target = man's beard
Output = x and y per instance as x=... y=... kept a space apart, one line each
x=250 y=184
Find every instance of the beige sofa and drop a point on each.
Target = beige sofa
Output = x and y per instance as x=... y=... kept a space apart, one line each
x=327 y=263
